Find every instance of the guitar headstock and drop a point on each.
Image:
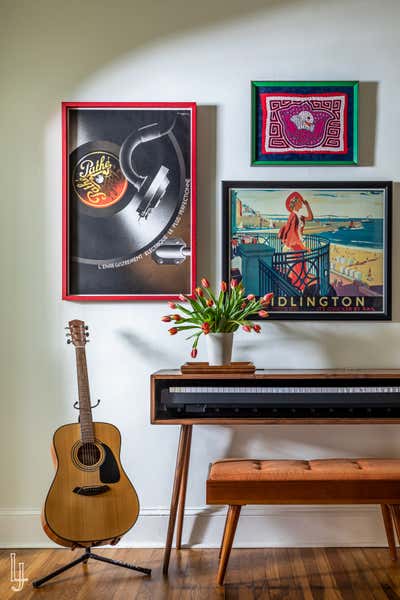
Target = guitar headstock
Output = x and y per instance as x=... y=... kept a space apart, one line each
x=77 y=333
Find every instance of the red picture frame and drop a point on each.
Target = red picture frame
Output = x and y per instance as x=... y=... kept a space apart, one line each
x=125 y=185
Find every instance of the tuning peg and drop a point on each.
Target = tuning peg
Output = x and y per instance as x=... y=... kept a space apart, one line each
x=86 y=327
x=69 y=341
x=87 y=334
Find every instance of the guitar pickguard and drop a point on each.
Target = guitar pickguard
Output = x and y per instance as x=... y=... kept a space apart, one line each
x=109 y=471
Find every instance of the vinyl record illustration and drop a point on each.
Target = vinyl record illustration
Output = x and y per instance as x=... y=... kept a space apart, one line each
x=124 y=198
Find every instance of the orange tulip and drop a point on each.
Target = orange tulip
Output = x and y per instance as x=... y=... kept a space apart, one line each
x=209 y=302
x=199 y=292
x=173 y=330
x=205 y=283
x=250 y=297
x=176 y=317
x=224 y=286
x=166 y=319
x=172 y=305
x=263 y=313
x=267 y=298
x=206 y=328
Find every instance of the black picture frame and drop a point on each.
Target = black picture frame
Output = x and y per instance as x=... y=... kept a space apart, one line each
x=365 y=308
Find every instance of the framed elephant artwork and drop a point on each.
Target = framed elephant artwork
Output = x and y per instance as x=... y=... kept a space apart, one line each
x=304 y=122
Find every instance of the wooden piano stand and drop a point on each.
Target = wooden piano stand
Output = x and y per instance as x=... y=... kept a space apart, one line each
x=327 y=396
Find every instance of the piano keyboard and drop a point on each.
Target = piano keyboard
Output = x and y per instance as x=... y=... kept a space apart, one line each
x=273 y=399
x=285 y=390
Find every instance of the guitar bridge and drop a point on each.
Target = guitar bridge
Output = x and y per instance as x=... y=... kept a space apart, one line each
x=91 y=490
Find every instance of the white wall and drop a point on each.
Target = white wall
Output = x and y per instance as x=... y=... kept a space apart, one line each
x=176 y=50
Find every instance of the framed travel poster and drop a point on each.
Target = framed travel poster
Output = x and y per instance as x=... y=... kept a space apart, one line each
x=129 y=200
x=322 y=248
x=304 y=122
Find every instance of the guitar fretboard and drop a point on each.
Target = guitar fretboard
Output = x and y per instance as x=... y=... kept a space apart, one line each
x=85 y=411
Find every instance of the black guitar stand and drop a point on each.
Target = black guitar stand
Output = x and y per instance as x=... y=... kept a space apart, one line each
x=83 y=559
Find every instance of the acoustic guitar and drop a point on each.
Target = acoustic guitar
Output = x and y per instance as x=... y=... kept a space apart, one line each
x=91 y=500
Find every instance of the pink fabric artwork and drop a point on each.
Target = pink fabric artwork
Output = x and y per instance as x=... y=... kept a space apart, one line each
x=296 y=123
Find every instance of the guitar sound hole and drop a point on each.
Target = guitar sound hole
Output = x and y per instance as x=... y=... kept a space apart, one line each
x=88 y=454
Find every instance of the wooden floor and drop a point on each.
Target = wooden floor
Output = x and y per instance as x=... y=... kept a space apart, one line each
x=278 y=574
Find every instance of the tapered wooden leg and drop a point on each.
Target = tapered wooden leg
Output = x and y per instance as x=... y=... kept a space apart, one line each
x=183 y=438
x=182 y=491
x=231 y=523
x=388 y=522
x=223 y=537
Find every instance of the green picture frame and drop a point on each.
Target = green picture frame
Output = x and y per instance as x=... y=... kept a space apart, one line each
x=304 y=123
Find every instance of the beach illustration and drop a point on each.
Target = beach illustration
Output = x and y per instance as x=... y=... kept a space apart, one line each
x=316 y=249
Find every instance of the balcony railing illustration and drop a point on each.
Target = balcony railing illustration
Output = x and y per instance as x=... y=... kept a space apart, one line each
x=295 y=273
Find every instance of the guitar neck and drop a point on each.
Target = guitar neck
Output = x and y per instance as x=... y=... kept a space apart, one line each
x=85 y=411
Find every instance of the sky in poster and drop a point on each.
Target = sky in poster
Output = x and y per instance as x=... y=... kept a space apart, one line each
x=357 y=203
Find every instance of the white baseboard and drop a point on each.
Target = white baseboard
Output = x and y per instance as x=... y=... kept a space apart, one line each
x=259 y=527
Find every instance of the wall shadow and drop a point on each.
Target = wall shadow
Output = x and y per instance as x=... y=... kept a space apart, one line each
x=368 y=91
x=207 y=223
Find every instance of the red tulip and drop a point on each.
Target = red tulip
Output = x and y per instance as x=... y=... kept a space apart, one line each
x=234 y=283
x=176 y=317
x=166 y=319
x=250 y=297
x=199 y=292
x=263 y=313
x=267 y=298
x=193 y=353
x=173 y=330
x=206 y=328
x=205 y=283
x=246 y=328
x=182 y=298
x=224 y=286
x=172 y=305
x=243 y=305
x=257 y=328
x=209 y=302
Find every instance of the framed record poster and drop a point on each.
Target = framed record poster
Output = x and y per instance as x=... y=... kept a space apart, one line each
x=304 y=122
x=322 y=248
x=129 y=200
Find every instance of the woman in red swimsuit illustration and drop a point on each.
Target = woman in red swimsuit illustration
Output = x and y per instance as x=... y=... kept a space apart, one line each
x=291 y=235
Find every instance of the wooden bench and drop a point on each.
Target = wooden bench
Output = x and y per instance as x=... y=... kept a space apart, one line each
x=237 y=482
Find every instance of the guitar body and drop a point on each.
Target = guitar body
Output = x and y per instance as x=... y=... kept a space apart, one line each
x=91 y=500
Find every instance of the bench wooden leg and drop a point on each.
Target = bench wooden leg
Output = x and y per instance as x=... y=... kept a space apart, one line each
x=388 y=522
x=229 y=534
x=223 y=537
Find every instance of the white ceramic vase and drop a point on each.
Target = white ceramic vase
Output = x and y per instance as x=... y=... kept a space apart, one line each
x=219 y=348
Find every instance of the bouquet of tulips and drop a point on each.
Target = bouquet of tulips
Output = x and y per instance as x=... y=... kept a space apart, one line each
x=222 y=312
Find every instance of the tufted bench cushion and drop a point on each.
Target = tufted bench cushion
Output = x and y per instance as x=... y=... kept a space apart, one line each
x=331 y=468
x=236 y=482
x=336 y=480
